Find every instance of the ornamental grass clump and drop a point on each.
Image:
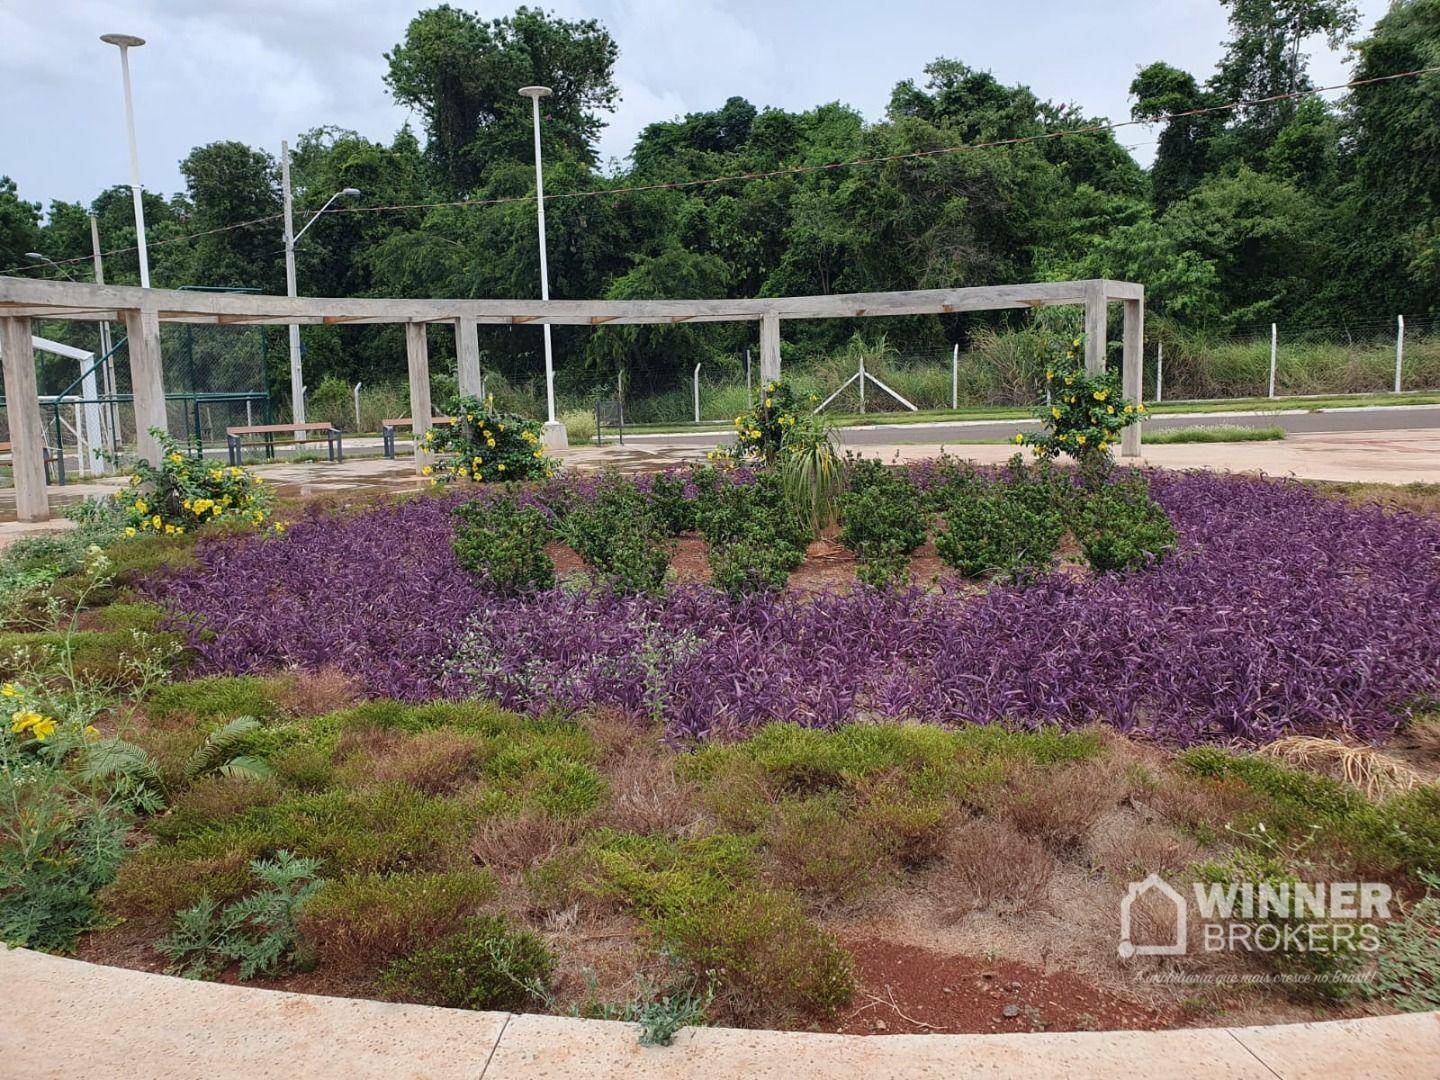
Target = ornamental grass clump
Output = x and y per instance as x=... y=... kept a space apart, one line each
x=502 y=544
x=486 y=445
x=625 y=544
x=883 y=520
x=185 y=491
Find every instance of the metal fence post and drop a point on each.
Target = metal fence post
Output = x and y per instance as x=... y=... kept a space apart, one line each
x=357 y=405
x=749 y=397
x=955 y=377
x=1274 y=343
x=697 y=393
x=1399 y=349
x=1159 y=373
x=862 y=385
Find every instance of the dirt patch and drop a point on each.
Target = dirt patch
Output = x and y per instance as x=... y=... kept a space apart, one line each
x=904 y=989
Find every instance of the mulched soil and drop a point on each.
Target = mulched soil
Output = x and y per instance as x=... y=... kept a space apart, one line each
x=904 y=989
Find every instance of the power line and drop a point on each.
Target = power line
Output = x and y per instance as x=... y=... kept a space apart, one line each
x=792 y=170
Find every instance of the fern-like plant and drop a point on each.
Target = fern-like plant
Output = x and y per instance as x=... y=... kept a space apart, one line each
x=222 y=753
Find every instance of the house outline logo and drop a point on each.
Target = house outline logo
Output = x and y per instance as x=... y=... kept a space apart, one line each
x=1137 y=889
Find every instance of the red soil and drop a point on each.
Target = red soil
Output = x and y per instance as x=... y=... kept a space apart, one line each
x=903 y=989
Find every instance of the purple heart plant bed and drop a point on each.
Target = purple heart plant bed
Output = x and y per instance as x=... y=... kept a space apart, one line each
x=1281 y=612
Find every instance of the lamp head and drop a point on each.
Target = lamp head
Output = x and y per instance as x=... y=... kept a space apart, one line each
x=125 y=41
x=536 y=92
x=35 y=256
x=350 y=193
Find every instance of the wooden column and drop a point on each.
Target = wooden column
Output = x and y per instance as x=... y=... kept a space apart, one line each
x=467 y=357
x=769 y=347
x=1132 y=371
x=27 y=431
x=1095 y=327
x=417 y=354
x=147 y=379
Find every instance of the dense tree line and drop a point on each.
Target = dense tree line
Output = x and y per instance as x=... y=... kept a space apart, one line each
x=1301 y=208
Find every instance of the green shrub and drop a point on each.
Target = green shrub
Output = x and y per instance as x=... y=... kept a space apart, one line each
x=753 y=562
x=811 y=472
x=883 y=522
x=1003 y=530
x=485 y=966
x=619 y=538
x=1408 y=961
x=753 y=537
x=258 y=932
x=668 y=504
x=1120 y=527
x=502 y=544
x=366 y=919
x=214 y=698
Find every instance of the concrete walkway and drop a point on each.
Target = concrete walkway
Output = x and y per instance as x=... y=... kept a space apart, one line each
x=63 y=1018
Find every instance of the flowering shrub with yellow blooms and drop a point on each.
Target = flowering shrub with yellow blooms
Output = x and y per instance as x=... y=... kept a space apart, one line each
x=760 y=432
x=486 y=446
x=185 y=491
x=1086 y=413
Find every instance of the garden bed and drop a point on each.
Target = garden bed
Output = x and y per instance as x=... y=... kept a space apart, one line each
x=832 y=807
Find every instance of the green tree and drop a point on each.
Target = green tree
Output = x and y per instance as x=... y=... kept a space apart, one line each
x=230 y=184
x=19 y=225
x=462 y=74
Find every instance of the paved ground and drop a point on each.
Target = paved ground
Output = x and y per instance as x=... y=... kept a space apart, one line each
x=1294 y=421
x=67 y=1019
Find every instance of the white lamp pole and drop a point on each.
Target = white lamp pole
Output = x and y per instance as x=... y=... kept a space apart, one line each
x=126 y=42
x=553 y=433
x=297 y=373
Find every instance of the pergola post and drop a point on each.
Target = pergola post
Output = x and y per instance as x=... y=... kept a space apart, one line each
x=147 y=379
x=1133 y=367
x=27 y=431
x=467 y=356
x=417 y=355
x=1095 y=327
x=769 y=347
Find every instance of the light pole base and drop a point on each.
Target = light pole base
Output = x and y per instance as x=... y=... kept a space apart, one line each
x=553 y=436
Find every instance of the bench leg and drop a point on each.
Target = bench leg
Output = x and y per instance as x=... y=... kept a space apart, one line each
x=339 y=447
x=231 y=449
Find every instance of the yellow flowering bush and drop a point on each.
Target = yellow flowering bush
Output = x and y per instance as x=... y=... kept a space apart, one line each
x=486 y=446
x=1086 y=413
x=185 y=491
x=760 y=432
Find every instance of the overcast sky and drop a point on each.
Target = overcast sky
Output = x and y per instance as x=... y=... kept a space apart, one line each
x=263 y=70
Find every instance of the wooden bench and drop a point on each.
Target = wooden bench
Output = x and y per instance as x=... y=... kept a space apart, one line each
x=387 y=429
x=235 y=438
x=50 y=458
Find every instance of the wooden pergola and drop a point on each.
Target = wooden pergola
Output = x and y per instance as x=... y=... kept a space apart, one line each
x=143 y=310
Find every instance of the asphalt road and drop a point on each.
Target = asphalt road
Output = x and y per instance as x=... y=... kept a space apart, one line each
x=1386 y=418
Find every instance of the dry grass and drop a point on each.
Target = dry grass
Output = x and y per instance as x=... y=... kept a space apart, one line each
x=1375 y=774
x=511 y=846
x=992 y=866
x=315 y=693
x=1059 y=806
x=1130 y=847
x=647 y=797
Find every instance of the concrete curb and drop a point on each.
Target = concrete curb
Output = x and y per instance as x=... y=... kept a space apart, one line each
x=64 y=1018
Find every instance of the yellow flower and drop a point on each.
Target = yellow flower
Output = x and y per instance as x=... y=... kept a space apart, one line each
x=1129 y=408
x=1055 y=412
x=279 y=526
x=1049 y=374
x=1069 y=380
x=1080 y=439
x=1019 y=439
x=1075 y=343
x=91 y=731
x=769 y=402
x=1141 y=407
x=539 y=453
x=155 y=522
x=427 y=470
x=501 y=466
x=1110 y=410
x=9 y=690
x=177 y=458
x=141 y=506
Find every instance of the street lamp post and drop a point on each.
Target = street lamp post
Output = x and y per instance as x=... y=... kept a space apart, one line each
x=126 y=42
x=297 y=373
x=553 y=433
